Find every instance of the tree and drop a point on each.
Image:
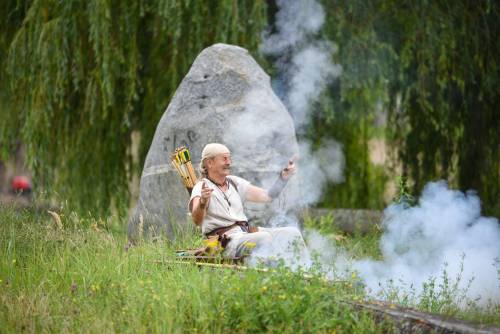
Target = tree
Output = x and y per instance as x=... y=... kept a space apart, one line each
x=84 y=74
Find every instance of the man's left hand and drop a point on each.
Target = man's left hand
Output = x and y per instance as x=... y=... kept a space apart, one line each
x=289 y=170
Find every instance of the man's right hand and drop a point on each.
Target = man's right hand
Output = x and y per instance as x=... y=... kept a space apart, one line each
x=200 y=204
x=206 y=193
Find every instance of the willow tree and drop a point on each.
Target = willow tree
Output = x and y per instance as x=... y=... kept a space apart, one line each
x=445 y=97
x=84 y=74
x=351 y=106
x=433 y=67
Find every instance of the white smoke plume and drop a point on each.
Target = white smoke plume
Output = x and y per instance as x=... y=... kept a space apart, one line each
x=304 y=61
x=317 y=168
x=295 y=22
x=311 y=71
x=444 y=232
x=305 y=68
x=259 y=124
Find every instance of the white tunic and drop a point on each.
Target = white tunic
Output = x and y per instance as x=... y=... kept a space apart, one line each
x=224 y=209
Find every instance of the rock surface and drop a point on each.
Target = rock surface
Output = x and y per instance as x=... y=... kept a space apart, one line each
x=225 y=97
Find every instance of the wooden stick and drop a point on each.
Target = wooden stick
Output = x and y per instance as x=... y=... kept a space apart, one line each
x=213 y=265
x=186 y=174
x=181 y=159
x=179 y=171
x=191 y=172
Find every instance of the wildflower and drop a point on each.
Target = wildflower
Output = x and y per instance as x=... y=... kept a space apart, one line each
x=74 y=287
x=14 y=261
x=263 y=289
x=213 y=246
x=212 y=243
x=250 y=245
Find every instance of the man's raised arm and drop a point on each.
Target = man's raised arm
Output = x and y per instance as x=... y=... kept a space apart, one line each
x=260 y=195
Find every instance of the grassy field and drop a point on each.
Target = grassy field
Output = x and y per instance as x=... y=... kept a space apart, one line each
x=79 y=278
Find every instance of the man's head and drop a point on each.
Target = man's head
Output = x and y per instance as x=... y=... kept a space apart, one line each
x=215 y=160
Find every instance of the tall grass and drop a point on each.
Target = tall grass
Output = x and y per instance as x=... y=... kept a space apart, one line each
x=81 y=279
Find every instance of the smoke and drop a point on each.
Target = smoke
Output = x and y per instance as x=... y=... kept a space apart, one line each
x=317 y=168
x=330 y=259
x=444 y=238
x=305 y=68
x=287 y=247
x=296 y=22
x=260 y=124
x=303 y=60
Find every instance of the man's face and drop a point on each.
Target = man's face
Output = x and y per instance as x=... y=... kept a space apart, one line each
x=220 y=164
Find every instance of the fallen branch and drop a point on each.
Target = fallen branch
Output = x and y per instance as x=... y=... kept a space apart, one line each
x=413 y=321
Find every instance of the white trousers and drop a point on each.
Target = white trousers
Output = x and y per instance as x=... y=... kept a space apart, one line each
x=285 y=243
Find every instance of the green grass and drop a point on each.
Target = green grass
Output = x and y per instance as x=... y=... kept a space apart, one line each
x=358 y=245
x=444 y=298
x=80 y=279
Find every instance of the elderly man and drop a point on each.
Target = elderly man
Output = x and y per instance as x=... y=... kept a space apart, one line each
x=217 y=201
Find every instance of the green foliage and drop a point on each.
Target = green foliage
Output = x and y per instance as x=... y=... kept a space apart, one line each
x=350 y=109
x=79 y=278
x=78 y=77
x=445 y=95
x=84 y=74
x=357 y=245
x=430 y=67
x=444 y=296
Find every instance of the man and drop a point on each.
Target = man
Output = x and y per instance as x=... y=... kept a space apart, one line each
x=216 y=205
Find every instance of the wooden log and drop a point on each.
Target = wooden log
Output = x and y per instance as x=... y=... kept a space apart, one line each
x=412 y=321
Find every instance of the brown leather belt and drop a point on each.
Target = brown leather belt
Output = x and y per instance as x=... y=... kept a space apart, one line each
x=221 y=230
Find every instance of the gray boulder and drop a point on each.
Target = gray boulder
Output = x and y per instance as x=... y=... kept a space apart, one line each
x=226 y=97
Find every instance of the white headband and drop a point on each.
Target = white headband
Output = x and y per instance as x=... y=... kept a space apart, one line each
x=213 y=149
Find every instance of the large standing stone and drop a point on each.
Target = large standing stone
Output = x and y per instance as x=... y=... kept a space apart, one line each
x=226 y=97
